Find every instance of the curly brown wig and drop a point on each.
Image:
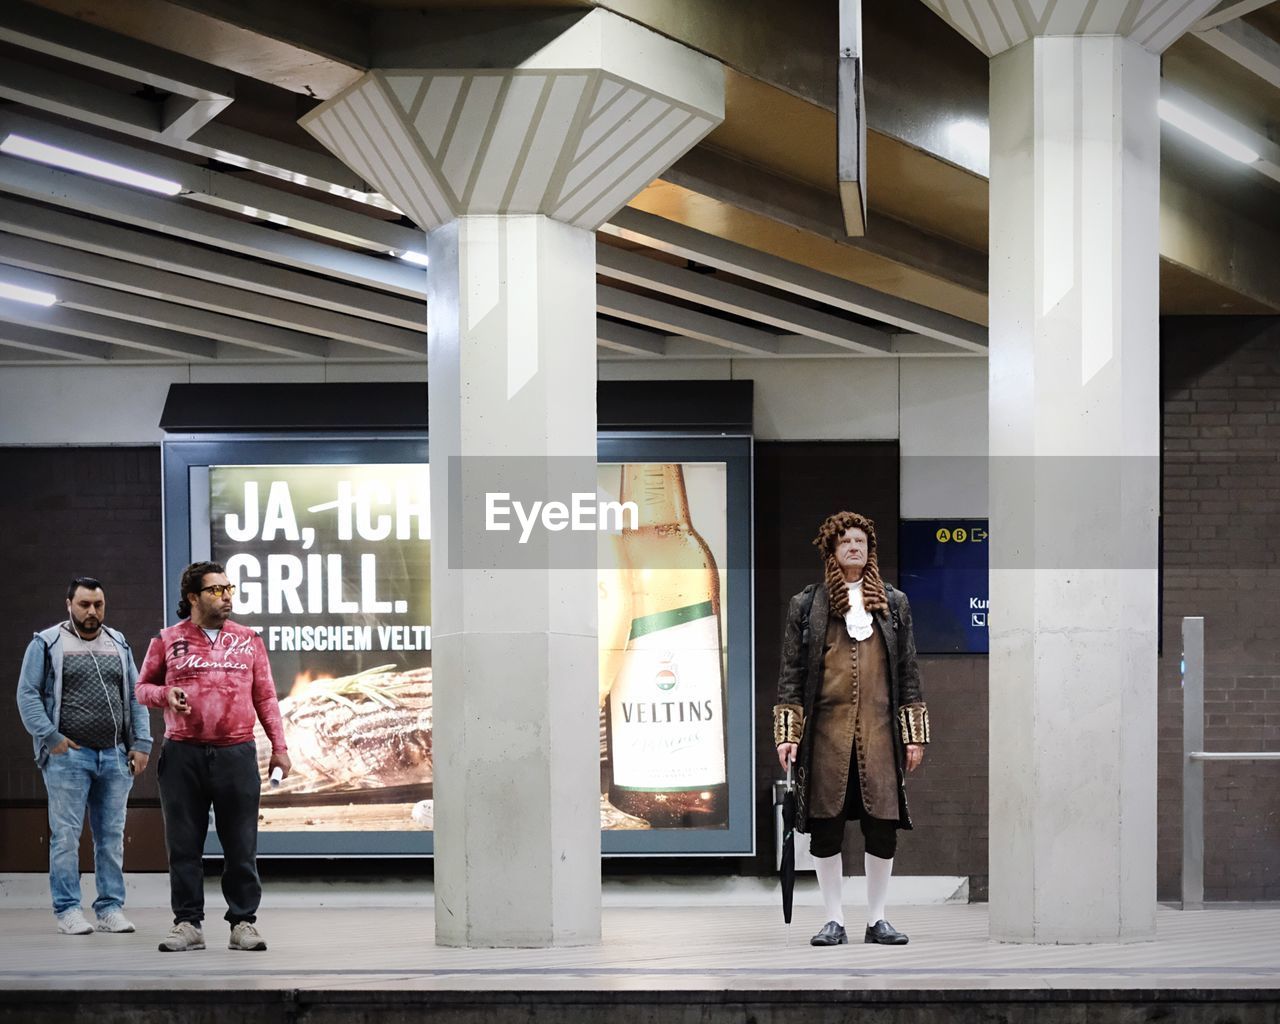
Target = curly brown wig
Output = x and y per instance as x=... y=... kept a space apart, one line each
x=873 y=595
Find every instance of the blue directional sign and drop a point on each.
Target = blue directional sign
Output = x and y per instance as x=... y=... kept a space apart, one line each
x=942 y=566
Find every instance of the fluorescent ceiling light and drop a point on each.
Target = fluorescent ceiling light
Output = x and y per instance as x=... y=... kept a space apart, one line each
x=20 y=294
x=1206 y=133
x=418 y=259
x=20 y=145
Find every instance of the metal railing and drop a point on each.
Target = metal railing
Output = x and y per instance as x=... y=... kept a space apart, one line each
x=1193 y=758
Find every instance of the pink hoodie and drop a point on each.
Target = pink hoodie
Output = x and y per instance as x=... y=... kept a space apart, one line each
x=226 y=683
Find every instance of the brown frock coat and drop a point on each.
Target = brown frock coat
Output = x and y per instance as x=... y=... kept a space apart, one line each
x=851 y=717
x=803 y=667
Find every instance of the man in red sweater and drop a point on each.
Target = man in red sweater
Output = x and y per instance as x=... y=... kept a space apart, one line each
x=212 y=678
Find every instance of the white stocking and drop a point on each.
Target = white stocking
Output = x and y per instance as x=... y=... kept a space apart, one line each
x=878 y=871
x=830 y=874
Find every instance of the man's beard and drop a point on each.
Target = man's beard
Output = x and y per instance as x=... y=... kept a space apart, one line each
x=215 y=617
x=83 y=626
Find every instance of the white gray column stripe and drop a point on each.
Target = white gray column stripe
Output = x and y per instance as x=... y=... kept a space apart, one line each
x=680 y=141
x=436 y=111
x=469 y=127
x=538 y=175
x=356 y=121
x=404 y=158
x=630 y=132
x=998 y=25
x=605 y=118
x=511 y=128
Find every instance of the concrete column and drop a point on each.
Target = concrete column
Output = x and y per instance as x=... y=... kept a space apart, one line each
x=510 y=144
x=1075 y=449
x=1074 y=436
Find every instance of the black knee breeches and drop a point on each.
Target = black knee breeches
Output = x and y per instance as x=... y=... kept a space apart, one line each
x=826 y=835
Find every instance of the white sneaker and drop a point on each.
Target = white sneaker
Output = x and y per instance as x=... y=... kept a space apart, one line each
x=72 y=922
x=245 y=936
x=182 y=936
x=114 y=921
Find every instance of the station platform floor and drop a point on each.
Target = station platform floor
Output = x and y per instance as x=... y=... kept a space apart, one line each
x=677 y=938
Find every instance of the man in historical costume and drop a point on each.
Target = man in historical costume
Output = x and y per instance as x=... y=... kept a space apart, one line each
x=851 y=716
x=212 y=678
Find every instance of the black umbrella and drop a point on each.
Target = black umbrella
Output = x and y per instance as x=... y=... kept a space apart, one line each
x=787 y=869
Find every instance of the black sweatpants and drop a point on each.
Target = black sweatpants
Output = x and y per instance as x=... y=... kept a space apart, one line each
x=194 y=777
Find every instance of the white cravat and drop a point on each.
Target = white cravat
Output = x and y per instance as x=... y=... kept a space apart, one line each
x=857 y=620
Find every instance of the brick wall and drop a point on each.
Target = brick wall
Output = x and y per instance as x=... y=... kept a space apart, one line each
x=798 y=484
x=68 y=512
x=1221 y=384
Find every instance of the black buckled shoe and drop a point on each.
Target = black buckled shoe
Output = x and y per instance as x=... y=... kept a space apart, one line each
x=832 y=934
x=885 y=934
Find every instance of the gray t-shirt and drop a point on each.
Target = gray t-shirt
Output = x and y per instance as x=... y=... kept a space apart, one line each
x=92 y=711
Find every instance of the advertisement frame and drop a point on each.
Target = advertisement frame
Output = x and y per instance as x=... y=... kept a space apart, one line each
x=186 y=458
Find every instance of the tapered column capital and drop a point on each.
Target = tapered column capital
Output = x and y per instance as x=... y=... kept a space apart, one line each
x=994 y=26
x=572 y=130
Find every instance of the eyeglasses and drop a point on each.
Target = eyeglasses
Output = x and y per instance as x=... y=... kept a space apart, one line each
x=218 y=589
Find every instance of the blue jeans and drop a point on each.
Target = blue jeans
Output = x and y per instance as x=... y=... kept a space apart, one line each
x=99 y=779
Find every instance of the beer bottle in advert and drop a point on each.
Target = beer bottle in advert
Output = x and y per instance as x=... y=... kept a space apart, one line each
x=613 y=583
x=666 y=721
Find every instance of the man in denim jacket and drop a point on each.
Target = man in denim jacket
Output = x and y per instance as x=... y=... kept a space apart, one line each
x=91 y=737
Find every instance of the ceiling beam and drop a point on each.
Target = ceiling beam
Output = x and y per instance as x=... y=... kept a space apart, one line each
x=907 y=345
x=331 y=32
x=1217 y=244
x=615 y=345
x=719 y=176
x=726 y=297
x=151 y=250
x=919 y=84
x=1248 y=47
x=283 y=160
x=669 y=236
x=1228 y=10
x=168 y=316
x=182 y=121
x=198 y=91
x=78 y=99
x=173 y=217
x=91 y=268
x=36 y=339
x=631 y=340
x=86 y=44
x=688 y=323
x=131 y=336
x=793 y=347
x=230 y=191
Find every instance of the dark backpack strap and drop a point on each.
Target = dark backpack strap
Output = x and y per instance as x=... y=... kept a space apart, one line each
x=890 y=594
x=807 y=605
